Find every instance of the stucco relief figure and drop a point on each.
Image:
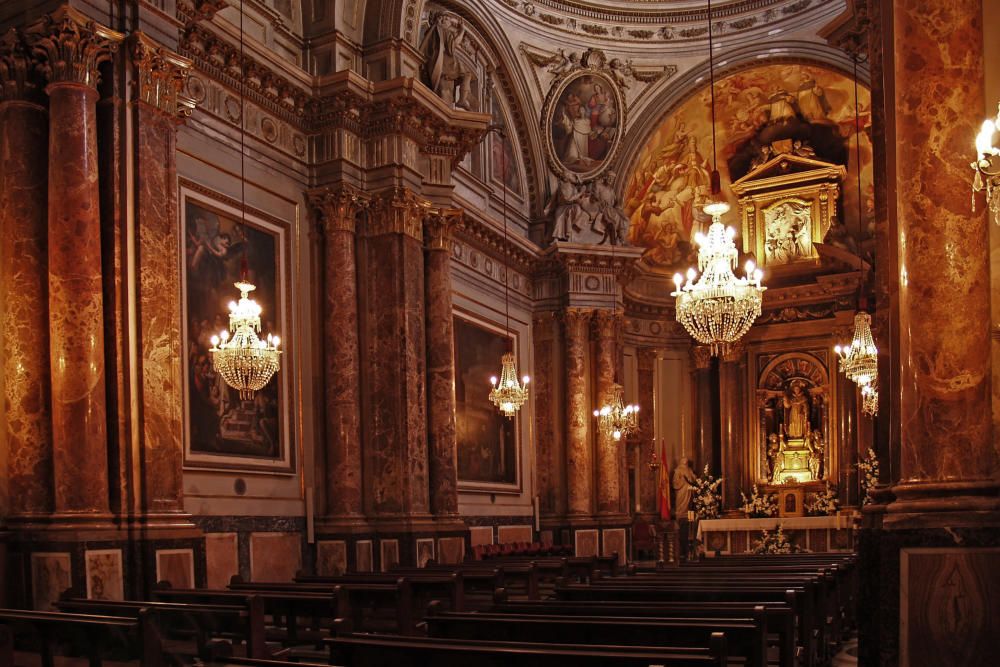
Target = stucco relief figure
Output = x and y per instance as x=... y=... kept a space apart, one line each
x=683 y=483
x=587 y=213
x=796 y=404
x=566 y=208
x=611 y=219
x=444 y=71
x=788 y=229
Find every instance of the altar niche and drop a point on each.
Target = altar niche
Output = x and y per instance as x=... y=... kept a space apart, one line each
x=793 y=419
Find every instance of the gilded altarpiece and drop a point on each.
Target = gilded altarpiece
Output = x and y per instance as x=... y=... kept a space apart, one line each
x=788 y=204
x=795 y=438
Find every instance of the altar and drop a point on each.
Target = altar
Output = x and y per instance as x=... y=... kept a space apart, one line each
x=818 y=534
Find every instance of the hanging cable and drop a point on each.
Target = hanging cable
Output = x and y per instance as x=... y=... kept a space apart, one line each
x=716 y=185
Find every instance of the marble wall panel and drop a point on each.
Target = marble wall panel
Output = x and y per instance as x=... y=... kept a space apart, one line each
x=425 y=551
x=480 y=535
x=105 y=579
x=613 y=540
x=175 y=566
x=331 y=557
x=222 y=558
x=363 y=556
x=275 y=556
x=388 y=554
x=586 y=542
x=451 y=550
x=51 y=574
x=508 y=534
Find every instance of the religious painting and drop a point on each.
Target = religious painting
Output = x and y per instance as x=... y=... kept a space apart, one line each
x=503 y=161
x=586 y=542
x=331 y=557
x=104 y=574
x=223 y=430
x=797 y=109
x=487 y=441
x=363 y=555
x=451 y=550
x=388 y=554
x=175 y=566
x=790 y=502
x=425 y=551
x=585 y=116
x=614 y=543
x=50 y=577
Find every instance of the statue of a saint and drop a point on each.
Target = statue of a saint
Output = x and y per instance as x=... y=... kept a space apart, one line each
x=816 y=448
x=773 y=448
x=444 y=72
x=796 y=404
x=683 y=483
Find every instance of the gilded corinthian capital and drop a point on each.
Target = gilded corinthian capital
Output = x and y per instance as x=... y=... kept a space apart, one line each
x=162 y=76
x=71 y=46
x=337 y=208
x=17 y=76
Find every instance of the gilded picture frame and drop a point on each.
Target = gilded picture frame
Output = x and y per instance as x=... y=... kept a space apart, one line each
x=220 y=431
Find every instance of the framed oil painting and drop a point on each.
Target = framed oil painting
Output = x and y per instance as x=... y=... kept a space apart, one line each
x=487 y=441
x=221 y=430
x=585 y=116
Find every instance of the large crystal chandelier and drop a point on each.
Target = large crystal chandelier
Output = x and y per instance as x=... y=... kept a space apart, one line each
x=507 y=394
x=859 y=360
x=987 y=166
x=718 y=309
x=616 y=419
x=244 y=361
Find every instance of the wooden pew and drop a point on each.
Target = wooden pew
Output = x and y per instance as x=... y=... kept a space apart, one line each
x=779 y=618
x=386 y=651
x=745 y=637
x=426 y=585
x=98 y=638
x=483 y=577
x=208 y=624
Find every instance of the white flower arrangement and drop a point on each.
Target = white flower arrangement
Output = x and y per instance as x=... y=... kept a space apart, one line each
x=775 y=543
x=759 y=504
x=707 y=500
x=825 y=503
x=868 y=475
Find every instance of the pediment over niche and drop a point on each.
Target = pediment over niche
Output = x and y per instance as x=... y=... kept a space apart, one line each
x=787 y=169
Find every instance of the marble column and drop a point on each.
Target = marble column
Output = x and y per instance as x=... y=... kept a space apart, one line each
x=157 y=110
x=442 y=445
x=395 y=463
x=71 y=47
x=24 y=337
x=579 y=453
x=544 y=334
x=705 y=400
x=731 y=394
x=947 y=448
x=606 y=325
x=337 y=212
x=646 y=383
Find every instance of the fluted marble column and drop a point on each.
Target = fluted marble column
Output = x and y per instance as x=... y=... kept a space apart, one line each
x=646 y=387
x=579 y=454
x=442 y=446
x=606 y=325
x=342 y=452
x=734 y=464
x=72 y=47
x=947 y=447
x=24 y=347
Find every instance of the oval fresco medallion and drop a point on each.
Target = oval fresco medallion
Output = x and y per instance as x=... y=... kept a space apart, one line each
x=584 y=117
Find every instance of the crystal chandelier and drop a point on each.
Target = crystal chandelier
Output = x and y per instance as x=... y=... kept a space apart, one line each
x=244 y=361
x=718 y=309
x=987 y=166
x=869 y=399
x=616 y=419
x=507 y=394
x=859 y=361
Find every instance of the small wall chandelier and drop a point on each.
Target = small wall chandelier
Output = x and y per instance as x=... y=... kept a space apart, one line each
x=244 y=361
x=719 y=308
x=987 y=166
x=869 y=399
x=859 y=360
x=616 y=419
x=507 y=394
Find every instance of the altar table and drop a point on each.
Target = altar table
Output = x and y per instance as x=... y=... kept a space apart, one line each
x=819 y=534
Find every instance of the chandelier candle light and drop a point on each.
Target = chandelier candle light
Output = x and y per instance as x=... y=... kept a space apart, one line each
x=244 y=361
x=507 y=394
x=987 y=166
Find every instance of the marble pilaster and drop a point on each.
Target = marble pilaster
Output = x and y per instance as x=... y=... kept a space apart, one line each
x=24 y=342
x=71 y=47
x=579 y=453
x=396 y=475
x=732 y=366
x=441 y=429
x=646 y=387
x=606 y=326
x=158 y=107
x=705 y=393
x=551 y=490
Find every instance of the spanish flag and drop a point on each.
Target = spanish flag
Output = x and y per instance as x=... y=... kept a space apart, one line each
x=664 y=483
